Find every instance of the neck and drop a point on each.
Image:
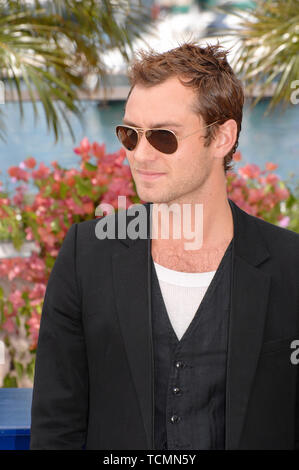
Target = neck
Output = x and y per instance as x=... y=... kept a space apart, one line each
x=199 y=222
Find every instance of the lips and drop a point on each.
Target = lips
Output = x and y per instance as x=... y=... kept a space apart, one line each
x=149 y=173
x=146 y=175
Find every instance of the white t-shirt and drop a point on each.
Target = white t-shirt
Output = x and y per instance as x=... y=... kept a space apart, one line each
x=182 y=294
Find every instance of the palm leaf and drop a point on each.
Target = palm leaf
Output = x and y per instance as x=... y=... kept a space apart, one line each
x=50 y=50
x=267 y=47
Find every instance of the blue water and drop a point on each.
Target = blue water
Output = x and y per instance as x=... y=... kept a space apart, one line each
x=272 y=138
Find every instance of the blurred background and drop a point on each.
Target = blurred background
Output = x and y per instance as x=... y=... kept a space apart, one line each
x=63 y=85
x=159 y=24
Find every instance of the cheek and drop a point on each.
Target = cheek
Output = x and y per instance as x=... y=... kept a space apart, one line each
x=188 y=163
x=128 y=155
x=129 y=158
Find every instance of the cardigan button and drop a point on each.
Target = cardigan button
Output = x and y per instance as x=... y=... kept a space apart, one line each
x=175 y=419
x=176 y=390
x=179 y=364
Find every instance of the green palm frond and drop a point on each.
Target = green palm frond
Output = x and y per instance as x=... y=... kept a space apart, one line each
x=267 y=47
x=49 y=48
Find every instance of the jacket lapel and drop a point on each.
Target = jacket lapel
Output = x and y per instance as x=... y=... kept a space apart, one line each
x=132 y=296
x=249 y=290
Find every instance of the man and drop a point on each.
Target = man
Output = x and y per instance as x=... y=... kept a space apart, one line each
x=155 y=343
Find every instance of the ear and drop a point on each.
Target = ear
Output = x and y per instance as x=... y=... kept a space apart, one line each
x=225 y=138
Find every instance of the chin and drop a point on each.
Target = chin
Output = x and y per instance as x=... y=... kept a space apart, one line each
x=154 y=196
x=150 y=198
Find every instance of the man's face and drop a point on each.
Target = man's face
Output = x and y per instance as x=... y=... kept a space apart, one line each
x=184 y=172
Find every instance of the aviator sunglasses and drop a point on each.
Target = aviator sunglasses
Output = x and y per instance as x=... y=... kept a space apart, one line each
x=163 y=140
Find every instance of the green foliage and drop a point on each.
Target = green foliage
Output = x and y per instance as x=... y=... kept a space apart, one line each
x=292 y=210
x=267 y=51
x=10 y=382
x=50 y=49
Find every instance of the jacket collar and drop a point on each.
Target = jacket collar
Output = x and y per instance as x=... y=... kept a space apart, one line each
x=245 y=231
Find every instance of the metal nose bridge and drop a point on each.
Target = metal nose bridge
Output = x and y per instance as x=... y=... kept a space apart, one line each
x=141 y=131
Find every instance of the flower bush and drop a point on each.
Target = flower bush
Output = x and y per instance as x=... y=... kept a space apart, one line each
x=65 y=196
x=263 y=194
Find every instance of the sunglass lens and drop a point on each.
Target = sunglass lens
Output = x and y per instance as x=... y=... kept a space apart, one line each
x=162 y=140
x=128 y=137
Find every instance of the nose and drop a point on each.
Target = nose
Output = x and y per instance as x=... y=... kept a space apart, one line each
x=144 y=150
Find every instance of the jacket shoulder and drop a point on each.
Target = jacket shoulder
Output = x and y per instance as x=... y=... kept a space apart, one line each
x=278 y=233
x=281 y=241
x=88 y=228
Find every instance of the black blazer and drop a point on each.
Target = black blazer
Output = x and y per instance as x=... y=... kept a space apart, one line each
x=93 y=383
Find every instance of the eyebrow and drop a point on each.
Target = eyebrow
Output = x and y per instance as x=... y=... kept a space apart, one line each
x=153 y=126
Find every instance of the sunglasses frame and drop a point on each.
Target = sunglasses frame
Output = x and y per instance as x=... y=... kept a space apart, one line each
x=141 y=130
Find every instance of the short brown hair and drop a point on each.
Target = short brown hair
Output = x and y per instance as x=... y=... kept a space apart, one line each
x=220 y=94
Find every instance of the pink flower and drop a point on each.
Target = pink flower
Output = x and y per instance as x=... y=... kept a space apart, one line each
x=88 y=207
x=284 y=222
x=238 y=193
x=9 y=325
x=38 y=291
x=29 y=233
x=255 y=195
x=282 y=193
x=271 y=166
x=98 y=150
x=272 y=178
x=34 y=324
x=30 y=162
x=237 y=156
x=14 y=271
x=16 y=299
x=41 y=172
x=18 y=173
x=249 y=171
x=84 y=147
x=121 y=187
x=18 y=198
x=47 y=237
x=74 y=207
